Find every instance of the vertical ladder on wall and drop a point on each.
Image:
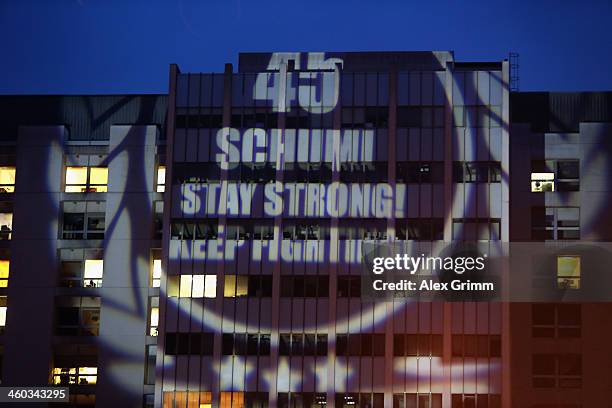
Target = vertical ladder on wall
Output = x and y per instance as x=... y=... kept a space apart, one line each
x=514 y=71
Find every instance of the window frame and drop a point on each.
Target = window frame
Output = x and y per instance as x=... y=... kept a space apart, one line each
x=88 y=187
x=8 y=188
x=75 y=372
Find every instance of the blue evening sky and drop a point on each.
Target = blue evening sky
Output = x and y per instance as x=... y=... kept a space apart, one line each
x=125 y=46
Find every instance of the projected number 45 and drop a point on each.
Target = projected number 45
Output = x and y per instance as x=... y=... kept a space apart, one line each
x=315 y=89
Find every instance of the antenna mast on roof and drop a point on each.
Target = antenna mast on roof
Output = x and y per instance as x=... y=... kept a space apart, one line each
x=514 y=72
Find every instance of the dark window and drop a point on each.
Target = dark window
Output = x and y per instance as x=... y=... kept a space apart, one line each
x=420 y=229
x=555 y=223
x=298 y=344
x=83 y=225
x=475 y=401
x=477 y=172
x=556 y=320
x=253 y=228
x=409 y=117
x=306 y=229
x=260 y=285
x=189 y=343
x=367 y=400
x=77 y=316
x=242 y=344
x=296 y=400
x=366 y=228
x=557 y=370
x=420 y=172
x=252 y=172
x=349 y=286
x=184 y=230
x=304 y=285
x=363 y=172
x=410 y=400
x=321 y=344
x=195 y=173
x=413 y=345
x=473 y=229
x=473 y=345
x=307 y=172
x=360 y=344
x=171 y=343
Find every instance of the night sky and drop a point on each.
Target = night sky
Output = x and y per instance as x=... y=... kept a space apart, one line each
x=125 y=46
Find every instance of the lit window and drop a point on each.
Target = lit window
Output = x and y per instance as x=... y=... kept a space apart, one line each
x=542 y=182
x=156 y=274
x=4 y=273
x=568 y=272
x=154 y=323
x=192 y=286
x=98 y=178
x=81 y=268
x=75 y=375
x=3 y=310
x=153 y=316
x=6 y=225
x=180 y=398
x=232 y=399
x=86 y=179
x=7 y=179
x=236 y=286
x=197 y=283
x=94 y=269
x=185 y=288
x=76 y=179
x=161 y=179
x=210 y=286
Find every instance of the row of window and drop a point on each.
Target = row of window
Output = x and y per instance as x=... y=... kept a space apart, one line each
x=298 y=344
x=369 y=117
x=199 y=286
x=342 y=400
x=80 y=316
x=87 y=220
x=409 y=172
x=416 y=229
x=91 y=179
x=205 y=286
x=77 y=272
x=315 y=344
x=84 y=268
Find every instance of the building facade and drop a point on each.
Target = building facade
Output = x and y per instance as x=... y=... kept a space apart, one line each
x=276 y=174
x=204 y=248
x=77 y=294
x=561 y=140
